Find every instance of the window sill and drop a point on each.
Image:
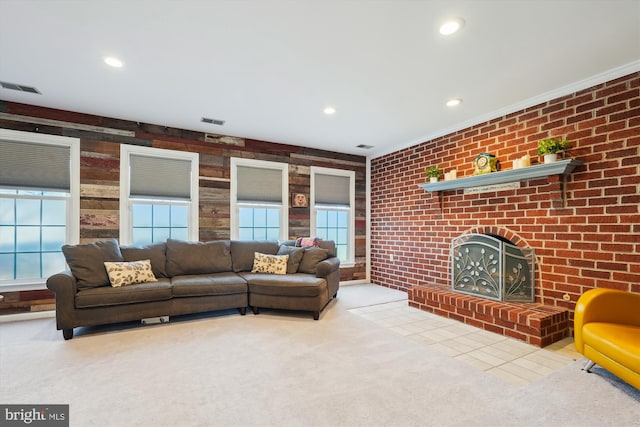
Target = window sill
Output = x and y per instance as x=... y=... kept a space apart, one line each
x=17 y=287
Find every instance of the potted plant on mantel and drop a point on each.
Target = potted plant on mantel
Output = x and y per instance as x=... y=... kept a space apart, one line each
x=550 y=147
x=433 y=172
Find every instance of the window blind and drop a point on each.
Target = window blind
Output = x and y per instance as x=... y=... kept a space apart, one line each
x=159 y=177
x=332 y=190
x=259 y=184
x=35 y=166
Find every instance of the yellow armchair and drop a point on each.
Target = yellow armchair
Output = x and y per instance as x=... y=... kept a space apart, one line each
x=607 y=332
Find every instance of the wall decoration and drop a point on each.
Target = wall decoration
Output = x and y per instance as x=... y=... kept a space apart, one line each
x=299 y=200
x=484 y=163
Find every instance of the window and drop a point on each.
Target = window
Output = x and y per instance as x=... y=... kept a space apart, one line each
x=258 y=223
x=333 y=224
x=158 y=194
x=332 y=209
x=259 y=201
x=39 y=206
x=157 y=221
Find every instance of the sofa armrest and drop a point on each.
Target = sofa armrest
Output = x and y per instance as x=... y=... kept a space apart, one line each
x=328 y=266
x=64 y=284
x=605 y=305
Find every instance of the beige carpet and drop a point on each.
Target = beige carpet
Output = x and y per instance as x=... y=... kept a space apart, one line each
x=284 y=369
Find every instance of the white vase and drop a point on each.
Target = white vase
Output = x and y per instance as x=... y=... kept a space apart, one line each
x=433 y=179
x=550 y=158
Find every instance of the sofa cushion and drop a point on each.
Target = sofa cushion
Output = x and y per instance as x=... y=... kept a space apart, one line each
x=295 y=285
x=242 y=252
x=155 y=252
x=270 y=264
x=329 y=246
x=310 y=259
x=295 y=256
x=86 y=261
x=107 y=295
x=129 y=273
x=208 y=284
x=197 y=257
x=619 y=342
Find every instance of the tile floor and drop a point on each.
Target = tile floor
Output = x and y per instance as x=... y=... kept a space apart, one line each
x=509 y=359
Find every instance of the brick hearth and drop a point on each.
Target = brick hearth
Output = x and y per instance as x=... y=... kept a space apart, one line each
x=533 y=323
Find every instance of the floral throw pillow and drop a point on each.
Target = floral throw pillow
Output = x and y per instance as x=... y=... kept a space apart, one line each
x=271 y=264
x=129 y=273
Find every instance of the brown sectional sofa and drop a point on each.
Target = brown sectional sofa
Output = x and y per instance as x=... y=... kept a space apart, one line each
x=191 y=277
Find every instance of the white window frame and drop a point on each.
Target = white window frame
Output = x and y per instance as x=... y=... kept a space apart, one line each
x=235 y=205
x=72 y=229
x=126 y=211
x=350 y=261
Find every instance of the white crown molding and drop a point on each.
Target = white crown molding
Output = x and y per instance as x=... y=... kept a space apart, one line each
x=612 y=74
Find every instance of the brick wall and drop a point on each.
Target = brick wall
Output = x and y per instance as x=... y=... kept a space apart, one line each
x=592 y=241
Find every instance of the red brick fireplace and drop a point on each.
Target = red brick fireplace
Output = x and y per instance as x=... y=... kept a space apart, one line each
x=533 y=323
x=585 y=228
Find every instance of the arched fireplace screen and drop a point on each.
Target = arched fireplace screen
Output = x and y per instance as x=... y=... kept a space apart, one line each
x=493 y=268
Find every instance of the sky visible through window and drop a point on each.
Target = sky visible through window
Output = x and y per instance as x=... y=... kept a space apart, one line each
x=333 y=224
x=258 y=223
x=32 y=232
x=158 y=222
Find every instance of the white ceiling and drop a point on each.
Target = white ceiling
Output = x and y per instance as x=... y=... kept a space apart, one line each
x=268 y=68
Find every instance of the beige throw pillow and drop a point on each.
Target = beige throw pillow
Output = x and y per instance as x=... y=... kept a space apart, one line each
x=271 y=264
x=129 y=273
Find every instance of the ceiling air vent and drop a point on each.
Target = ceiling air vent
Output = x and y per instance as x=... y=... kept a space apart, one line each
x=365 y=146
x=21 y=88
x=212 y=121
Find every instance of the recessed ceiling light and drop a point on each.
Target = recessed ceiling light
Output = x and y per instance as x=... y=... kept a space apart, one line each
x=113 y=62
x=453 y=102
x=329 y=111
x=451 y=26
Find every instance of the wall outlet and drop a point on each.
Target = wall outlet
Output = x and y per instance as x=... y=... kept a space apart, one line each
x=390 y=257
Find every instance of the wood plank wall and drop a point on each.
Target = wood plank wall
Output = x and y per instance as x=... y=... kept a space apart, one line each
x=100 y=139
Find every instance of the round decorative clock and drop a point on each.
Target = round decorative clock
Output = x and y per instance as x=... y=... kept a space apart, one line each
x=484 y=163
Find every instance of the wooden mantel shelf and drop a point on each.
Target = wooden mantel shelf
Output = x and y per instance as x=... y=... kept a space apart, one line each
x=561 y=167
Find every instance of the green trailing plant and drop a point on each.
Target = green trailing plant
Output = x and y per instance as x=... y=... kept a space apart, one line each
x=552 y=145
x=433 y=172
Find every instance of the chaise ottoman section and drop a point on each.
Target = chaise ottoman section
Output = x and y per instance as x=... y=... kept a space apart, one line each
x=297 y=291
x=292 y=285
